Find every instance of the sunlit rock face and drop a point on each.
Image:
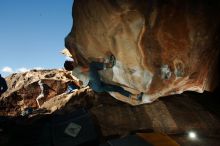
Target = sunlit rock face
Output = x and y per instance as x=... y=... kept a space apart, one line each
x=23 y=90
x=161 y=47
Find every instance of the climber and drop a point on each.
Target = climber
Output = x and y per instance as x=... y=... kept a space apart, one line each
x=3 y=85
x=90 y=76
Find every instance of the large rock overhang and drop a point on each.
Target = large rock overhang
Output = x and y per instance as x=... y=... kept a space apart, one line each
x=161 y=47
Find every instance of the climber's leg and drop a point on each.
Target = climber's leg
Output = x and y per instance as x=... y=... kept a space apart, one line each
x=94 y=77
x=95 y=82
x=115 y=88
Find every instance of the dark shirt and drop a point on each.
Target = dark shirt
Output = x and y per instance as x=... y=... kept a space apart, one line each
x=3 y=85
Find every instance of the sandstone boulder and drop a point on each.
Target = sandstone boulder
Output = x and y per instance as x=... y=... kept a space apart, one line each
x=162 y=47
x=23 y=89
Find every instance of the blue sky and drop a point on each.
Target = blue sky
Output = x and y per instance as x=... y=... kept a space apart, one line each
x=32 y=34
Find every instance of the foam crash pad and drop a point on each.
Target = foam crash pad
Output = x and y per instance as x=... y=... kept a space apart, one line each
x=74 y=129
x=158 y=139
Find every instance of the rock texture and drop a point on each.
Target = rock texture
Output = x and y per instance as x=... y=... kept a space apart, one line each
x=161 y=47
x=23 y=89
x=174 y=115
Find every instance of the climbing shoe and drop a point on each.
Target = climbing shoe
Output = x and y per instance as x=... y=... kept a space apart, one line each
x=139 y=96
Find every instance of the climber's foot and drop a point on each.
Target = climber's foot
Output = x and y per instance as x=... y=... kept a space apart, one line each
x=139 y=96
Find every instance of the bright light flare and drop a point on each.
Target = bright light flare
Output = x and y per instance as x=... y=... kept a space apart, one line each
x=192 y=135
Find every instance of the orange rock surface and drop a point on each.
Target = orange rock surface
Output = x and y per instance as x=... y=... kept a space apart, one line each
x=161 y=47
